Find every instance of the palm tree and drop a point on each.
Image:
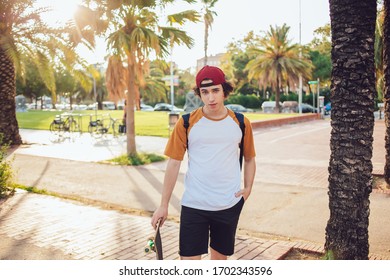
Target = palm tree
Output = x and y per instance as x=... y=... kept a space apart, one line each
x=154 y=88
x=137 y=34
x=20 y=28
x=24 y=34
x=352 y=120
x=208 y=18
x=386 y=89
x=276 y=62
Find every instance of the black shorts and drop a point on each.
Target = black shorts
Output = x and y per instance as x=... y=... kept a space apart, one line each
x=196 y=225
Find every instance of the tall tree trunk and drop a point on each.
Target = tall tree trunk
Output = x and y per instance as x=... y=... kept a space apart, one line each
x=206 y=42
x=277 y=95
x=130 y=126
x=8 y=122
x=386 y=91
x=352 y=120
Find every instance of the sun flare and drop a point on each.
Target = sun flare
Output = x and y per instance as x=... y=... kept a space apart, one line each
x=60 y=11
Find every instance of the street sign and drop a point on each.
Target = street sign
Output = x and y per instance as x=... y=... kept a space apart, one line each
x=312 y=82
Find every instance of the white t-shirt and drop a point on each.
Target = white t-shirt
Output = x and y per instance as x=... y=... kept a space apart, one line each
x=213 y=175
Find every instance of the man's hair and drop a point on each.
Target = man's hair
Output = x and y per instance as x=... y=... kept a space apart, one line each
x=226 y=86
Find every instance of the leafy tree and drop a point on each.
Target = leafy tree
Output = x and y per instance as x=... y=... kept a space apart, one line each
x=235 y=61
x=322 y=66
x=320 y=49
x=352 y=121
x=154 y=89
x=30 y=84
x=277 y=62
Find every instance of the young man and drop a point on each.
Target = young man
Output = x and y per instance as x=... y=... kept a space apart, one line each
x=213 y=198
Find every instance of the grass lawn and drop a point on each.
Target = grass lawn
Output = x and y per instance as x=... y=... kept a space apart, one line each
x=146 y=123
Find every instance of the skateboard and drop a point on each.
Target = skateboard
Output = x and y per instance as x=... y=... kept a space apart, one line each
x=154 y=243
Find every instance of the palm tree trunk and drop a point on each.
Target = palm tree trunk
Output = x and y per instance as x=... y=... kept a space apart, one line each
x=130 y=124
x=8 y=122
x=277 y=94
x=206 y=37
x=386 y=91
x=352 y=120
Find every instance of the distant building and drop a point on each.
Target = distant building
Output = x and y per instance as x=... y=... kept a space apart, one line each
x=212 y=60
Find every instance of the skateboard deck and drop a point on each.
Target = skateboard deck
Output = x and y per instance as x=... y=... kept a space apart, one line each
x=155 y=244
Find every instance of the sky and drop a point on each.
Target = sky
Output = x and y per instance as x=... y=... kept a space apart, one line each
x=234 y=19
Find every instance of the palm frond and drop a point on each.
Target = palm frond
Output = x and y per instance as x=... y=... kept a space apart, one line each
x=177 y=36
x=182 y=17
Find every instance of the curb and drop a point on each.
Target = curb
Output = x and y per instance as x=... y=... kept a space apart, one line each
x=284 y=121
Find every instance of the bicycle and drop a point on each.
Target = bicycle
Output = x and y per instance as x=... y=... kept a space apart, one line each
x=118 y=128
x=99 y=126
x=64 y=123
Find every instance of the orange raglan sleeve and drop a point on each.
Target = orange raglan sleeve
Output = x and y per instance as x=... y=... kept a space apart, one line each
x=249 y=145
x=177 y=143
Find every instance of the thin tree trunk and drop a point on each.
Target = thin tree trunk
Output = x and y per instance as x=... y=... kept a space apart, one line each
x=386 y=91
x=9 y=127
x=206 y=36
x=352 y=120
x=277 y=95
x=130 y=124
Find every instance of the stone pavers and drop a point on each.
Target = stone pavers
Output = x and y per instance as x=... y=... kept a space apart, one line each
x=85 y=232
x=70 y=230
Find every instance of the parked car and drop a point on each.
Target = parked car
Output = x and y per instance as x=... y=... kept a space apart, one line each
x=166 y=107
x=120 y=105
x=269 y=106
x=327 y=108
x=92 y=106
x=238 y=108
x=307 y=108
x=147 y=108
x=108 y=105
x=290 y=107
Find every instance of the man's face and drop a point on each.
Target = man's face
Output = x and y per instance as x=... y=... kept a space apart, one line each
x=212 y=96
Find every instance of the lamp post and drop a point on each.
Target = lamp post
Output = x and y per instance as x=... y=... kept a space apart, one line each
x=300 y=57
x=172 y=88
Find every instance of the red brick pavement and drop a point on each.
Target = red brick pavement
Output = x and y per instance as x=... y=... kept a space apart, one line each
x=87 y=232
x=82 y=232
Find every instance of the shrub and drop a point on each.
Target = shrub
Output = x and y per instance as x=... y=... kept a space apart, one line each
x=6 y=174
x=249 y=101
x=139 y=159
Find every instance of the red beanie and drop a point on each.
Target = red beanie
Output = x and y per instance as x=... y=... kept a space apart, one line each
x=210 y=73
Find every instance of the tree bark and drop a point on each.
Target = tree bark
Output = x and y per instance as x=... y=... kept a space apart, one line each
x=352 y=120
x=9 y=127
x=130 y=124
x=386 y=91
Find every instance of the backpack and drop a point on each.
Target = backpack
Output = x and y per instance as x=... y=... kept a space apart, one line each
x=240 y=118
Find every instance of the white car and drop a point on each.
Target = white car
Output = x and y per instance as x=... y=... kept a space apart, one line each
x=82 y=107
x=166 y=107
x=108 y=105
x=147 y=108
x=92 y=106
x=269 y=106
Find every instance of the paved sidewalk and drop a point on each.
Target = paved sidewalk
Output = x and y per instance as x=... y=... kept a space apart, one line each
x=36 y=226
x=116 y=223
